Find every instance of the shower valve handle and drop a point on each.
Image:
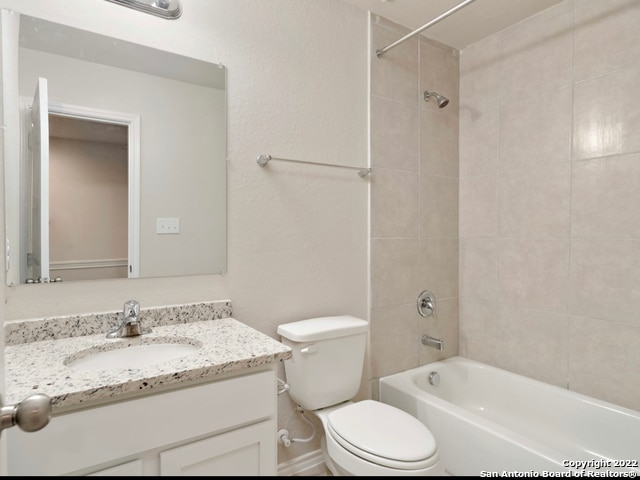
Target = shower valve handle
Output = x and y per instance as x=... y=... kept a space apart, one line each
x=426 y=304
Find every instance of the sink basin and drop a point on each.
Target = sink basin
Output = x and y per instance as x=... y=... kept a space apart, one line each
x=124 y=355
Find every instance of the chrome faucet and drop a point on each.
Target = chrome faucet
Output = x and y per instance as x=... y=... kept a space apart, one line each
x=432 y=342
x=130 y=326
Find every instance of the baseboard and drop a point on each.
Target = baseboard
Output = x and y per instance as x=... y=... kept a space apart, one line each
x=311 y=463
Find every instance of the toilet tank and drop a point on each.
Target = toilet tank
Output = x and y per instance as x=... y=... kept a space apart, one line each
x=328 y=355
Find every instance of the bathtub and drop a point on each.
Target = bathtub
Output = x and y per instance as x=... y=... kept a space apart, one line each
x=490 y=422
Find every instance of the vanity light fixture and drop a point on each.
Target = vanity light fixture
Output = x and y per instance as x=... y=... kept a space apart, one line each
x=169 y=9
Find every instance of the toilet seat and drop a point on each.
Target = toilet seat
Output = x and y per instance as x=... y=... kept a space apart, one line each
x=383 y=435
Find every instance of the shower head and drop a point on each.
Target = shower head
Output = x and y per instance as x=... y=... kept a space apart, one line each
x=442 y=101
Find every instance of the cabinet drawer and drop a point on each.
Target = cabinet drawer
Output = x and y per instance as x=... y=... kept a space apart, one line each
x=96 y=436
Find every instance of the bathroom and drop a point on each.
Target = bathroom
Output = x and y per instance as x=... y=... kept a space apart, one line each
x=532 y=268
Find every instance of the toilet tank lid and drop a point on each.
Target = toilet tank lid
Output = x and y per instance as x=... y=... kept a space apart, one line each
x=322 y=328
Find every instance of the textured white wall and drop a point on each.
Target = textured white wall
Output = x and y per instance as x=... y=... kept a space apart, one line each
x=298 y=89
x=297 y=235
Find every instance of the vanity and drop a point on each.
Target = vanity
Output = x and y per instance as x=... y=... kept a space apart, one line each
x=207 y=410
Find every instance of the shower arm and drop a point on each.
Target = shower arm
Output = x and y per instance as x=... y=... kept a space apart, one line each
x=384 y=50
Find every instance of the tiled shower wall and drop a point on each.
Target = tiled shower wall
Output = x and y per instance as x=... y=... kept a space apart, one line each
x=414 y=199
x=550 y=199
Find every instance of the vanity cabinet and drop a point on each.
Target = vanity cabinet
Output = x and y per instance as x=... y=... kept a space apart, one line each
x=225 y=427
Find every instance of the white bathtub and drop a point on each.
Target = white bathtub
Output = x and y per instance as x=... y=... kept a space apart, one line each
x=488 y=421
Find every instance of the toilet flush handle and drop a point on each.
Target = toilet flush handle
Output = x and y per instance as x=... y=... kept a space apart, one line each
x=309 y=349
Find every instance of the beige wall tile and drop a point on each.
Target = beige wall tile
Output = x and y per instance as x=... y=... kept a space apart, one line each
x=605 y=36
x=534 y=273
x=394 y=272
x=438 y=207
x=478 y=206
x=605 y=275
x=536 y=131
x=401 y=264
x=606 y=197
x=478 y=149
x=395 y=199
x=478 y=330
x=480 y=72
x=438 y=143
x=395 y=74
x=440 y=73
x=395 y=135
x=535 y=202
x=607 y=115
x=374 y=389
x=604 y=358
x=478 y=268
x=537 y=53
x=439 y=266
x=533 y=343
x=516 y=104
x=395 y=339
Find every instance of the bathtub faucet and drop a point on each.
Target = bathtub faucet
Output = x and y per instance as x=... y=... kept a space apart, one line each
x=432 y=342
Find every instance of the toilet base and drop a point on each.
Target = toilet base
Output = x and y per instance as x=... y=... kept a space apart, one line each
x=331 y=466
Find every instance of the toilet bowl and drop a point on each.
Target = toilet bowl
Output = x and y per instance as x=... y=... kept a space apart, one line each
x=373 y=438
x=360 y=438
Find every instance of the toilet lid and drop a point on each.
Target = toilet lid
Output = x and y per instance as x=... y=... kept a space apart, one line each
x=383 y=431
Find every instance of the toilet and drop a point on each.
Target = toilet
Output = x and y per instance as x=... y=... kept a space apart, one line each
x=360 y=438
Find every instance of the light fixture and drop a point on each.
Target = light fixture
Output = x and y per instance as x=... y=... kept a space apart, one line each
x=169 y=9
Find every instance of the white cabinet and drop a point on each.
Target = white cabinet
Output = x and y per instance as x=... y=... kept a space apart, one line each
x=226 y=427
x=243 y=451
x=129 y=469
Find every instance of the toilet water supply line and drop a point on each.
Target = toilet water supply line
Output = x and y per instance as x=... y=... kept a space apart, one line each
x=283 y=434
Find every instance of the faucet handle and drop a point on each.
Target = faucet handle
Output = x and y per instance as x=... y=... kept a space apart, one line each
x=131 y=308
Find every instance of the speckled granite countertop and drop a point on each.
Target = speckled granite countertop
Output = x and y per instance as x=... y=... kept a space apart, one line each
x=226 y=345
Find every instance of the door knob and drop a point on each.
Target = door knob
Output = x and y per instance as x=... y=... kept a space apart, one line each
x=31 y=414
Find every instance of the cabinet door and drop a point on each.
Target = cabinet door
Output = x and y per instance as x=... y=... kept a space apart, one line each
x=247 y=451
x=129 y=469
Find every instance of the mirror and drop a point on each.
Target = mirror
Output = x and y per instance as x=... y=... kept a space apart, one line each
x=135 y=161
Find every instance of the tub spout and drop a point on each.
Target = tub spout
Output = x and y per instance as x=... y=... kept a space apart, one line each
x=432 y=342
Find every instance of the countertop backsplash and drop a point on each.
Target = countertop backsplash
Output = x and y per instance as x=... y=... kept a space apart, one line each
x=34 y=330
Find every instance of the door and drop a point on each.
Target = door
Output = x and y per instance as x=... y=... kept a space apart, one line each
x=3 y=438
x=39 y=149
x=94 y=171
x=10 y=26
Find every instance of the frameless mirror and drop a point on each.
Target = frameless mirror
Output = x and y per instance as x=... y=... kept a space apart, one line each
x=119 y=166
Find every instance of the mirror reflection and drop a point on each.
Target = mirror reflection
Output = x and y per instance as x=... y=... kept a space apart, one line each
x=120 y=166
x=88 y=192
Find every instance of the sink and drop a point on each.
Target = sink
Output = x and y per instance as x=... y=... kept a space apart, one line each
x=132 y=354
